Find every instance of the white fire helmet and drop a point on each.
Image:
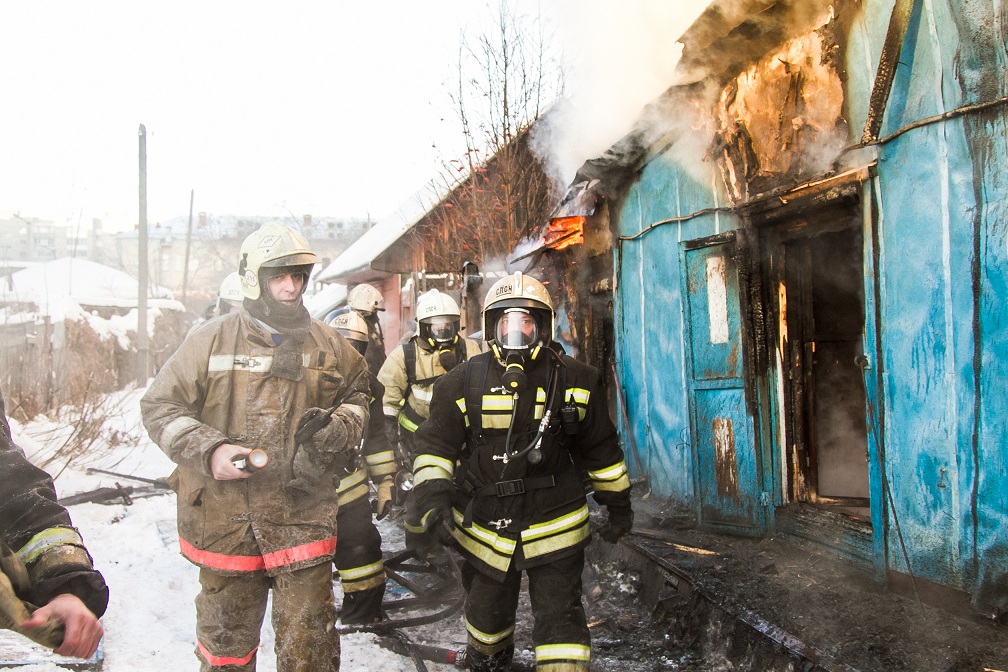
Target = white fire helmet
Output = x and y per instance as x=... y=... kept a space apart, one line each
x=273 y=245
x=351 y=325
x=365 y=299
x=527 y=310
x=230 y=295
x=438 y=318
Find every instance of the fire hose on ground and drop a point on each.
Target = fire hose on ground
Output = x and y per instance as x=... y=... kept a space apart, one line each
x=392 y=628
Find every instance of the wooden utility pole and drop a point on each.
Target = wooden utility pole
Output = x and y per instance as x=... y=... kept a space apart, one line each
x=188 y=246
x=142 y=370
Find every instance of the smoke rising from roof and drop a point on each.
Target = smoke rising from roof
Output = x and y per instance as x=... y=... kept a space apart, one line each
x=619 y=57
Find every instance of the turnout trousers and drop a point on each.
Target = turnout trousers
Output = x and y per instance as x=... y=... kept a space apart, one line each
x=359 y=563
x=230 y=612
x=559 y=633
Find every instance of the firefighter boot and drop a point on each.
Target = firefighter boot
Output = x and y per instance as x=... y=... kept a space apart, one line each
x=498 y=662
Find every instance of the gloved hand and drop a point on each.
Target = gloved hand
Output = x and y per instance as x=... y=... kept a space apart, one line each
x=329 y=436
x=12 y=565
x=392 y=430
x=437 y=519
x=384 y=503
x=619 y=523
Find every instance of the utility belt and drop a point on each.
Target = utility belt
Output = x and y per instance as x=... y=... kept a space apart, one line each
x=517 y=486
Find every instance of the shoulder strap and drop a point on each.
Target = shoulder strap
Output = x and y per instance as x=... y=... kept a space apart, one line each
x=409 y=358
x=475 y=381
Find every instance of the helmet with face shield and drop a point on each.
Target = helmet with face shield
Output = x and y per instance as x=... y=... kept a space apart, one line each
x=438 y=318
x=517 y=316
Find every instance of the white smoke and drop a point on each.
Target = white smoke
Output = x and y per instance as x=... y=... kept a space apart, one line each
x=618 y=57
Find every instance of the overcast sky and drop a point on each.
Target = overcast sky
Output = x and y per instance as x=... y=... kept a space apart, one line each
x=311 y=106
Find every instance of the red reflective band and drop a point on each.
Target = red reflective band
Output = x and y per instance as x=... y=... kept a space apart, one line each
x=289 y=556
x=251 y=563
x=218 y=661
x=238 y=563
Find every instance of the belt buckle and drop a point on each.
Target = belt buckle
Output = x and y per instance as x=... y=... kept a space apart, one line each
x=509 y=488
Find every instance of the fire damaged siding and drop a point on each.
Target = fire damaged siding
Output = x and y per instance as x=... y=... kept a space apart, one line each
x=927 y=208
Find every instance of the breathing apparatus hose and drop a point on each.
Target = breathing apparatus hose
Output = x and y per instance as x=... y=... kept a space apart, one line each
x=547 y=412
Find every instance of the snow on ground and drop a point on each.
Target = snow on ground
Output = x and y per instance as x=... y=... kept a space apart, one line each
x=151 y=619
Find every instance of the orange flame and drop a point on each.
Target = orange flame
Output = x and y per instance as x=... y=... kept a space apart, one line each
x=564 y=232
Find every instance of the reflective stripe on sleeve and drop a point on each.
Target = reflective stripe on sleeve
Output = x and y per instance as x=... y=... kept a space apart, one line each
x=611 y=479
x=176 y=427
x=47 y=539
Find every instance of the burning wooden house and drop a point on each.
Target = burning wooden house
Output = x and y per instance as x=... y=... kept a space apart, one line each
x=797 y=259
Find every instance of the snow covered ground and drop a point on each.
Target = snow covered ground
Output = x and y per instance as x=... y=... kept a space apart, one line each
x=150 y=622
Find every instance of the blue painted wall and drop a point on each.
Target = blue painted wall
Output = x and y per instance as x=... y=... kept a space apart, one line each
x=649 y=314
x=941 y=194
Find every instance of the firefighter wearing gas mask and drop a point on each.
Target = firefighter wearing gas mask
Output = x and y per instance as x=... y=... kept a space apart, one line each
x=358 y=553
x=495 y=475
x=409 y=374
x=267 y=378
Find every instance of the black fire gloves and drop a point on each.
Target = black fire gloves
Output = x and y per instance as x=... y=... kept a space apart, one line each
x=620 y=521
x=434 y=500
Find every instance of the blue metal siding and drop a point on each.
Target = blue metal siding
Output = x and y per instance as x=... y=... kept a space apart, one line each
x=650 y=325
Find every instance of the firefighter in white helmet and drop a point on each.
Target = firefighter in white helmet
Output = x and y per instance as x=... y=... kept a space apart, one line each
x=494 y=474
x=412 y=368
x=230 y=295
x=266 y=377
x=358 y=554
x=367 y=301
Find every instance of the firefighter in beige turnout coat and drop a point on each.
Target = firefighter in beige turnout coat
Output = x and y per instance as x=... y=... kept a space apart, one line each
x=241 y=382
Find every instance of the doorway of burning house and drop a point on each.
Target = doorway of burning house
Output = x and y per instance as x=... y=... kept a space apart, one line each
x=812 y=269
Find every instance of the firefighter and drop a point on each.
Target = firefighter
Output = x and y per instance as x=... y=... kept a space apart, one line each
x=267 y=377
x=367 y=301
x=230 y=296
x=48 y=565
x=495 y=475
x=409 y=374
x=359 y=554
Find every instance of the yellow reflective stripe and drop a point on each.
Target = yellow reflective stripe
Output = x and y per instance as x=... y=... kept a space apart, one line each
x=353 y=494
x=611 y=479
x=417 y=529
x=579 y=394
x=429 y=467
x=363 y=584
x=478 y=550
x=610 y=473
x=376 y=459
x=174 y=428
x=350 y=480
x=497 y=421
x=486 y=637
x=548 y=652
x=619 y=485
x=461 y=404
x=483 y=535
x=406 y=423
x=557 y=542
x=356 y=573
x=498 y=402
x=47 y=539
x=561 y=524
